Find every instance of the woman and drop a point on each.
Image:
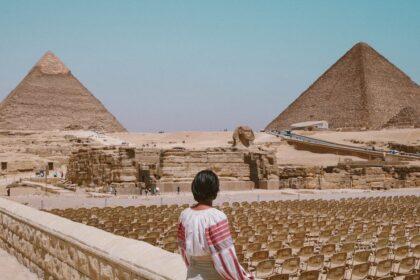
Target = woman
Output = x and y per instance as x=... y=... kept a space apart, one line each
x=204 y=236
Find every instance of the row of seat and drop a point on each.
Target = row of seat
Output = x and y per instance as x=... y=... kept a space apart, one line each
x=294 y=238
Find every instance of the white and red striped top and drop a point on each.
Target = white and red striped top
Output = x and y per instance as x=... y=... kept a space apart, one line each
x=206 y=233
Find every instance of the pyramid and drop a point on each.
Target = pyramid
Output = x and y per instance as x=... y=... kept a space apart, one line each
x=361 y=90
x=51 y=98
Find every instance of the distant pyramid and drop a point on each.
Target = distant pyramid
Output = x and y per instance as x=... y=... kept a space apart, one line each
x=51 y=98
x=362 y=89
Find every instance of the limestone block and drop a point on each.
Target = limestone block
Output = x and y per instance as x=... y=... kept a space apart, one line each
x=62 y=252
x=269 y=184
x=49 y=263
x=122 y=274
x=73 y=273
x=373 y=170
x=57 y=268
x=83 y=264
x=312 y=183
x=72 y=256
x=106 y=271
x=125 y=178
x=375 y=178
x=94 y=269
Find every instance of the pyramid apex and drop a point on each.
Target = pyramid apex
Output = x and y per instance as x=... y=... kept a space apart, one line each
x=362 y=46
x=51 y=64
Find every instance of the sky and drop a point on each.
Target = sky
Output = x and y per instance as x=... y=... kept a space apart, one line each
x=201 y=65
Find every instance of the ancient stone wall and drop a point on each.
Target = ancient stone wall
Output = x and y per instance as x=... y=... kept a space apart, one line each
x=130 y=167
x=404 y=148
x=57 y=248
x=385 y=177
x=181 y=165
x=102 y=166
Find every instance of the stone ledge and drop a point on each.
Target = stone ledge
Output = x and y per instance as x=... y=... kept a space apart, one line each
x=139 y=259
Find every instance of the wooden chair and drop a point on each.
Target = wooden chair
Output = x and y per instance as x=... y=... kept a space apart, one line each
x=296 y=245
x=401 y=253
x=252 y=248
x=336 y=273
x=150 y=240
x=279 y=277
x=412 y=277
x=171 y=247
x=360 y=271
x=309 y=275
x=405 y=266
x=315 y=262
x=382 y=269
x=360 y=257
x=274 y=246
x=305 y=252
x=257 y=257
x=348 y=247
x=264 y=269
x=338 y=259
x=328 y=250
x=283 y=254
x=290 y=266
x=381 y=255
x=382 y=243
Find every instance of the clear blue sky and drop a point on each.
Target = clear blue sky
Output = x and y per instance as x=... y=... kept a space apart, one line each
x=201 y=65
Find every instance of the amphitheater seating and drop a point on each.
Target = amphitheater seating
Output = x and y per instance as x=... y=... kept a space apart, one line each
x=356 y=238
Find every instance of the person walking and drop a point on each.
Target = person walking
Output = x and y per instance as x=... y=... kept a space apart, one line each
x=204 y=237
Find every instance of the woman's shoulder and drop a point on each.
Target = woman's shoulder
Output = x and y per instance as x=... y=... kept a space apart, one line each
x=211 y=215
x=219 y=214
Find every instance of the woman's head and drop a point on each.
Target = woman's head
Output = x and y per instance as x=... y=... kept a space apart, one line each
x=205 y=186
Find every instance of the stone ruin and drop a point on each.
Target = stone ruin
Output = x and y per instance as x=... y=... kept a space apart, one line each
x=130 y=169
x=244 y=166
x=350 y=176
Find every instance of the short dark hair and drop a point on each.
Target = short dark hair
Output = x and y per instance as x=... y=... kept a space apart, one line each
x=205 y=186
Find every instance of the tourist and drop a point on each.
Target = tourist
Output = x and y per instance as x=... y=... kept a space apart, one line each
x=178 y=189
x=8 y=191
x=203 y=235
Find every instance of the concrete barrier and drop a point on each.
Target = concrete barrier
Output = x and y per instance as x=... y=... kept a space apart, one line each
x=57 y=248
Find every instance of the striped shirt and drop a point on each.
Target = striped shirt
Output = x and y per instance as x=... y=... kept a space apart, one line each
x=206 y=233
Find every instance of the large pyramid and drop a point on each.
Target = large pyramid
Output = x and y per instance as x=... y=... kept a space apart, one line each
x=51 y=98
x=361 y=90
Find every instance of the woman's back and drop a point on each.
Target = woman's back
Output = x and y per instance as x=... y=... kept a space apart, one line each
x=204 y=236
x=198 y=223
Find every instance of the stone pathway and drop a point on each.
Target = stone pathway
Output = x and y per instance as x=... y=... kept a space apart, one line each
x=48 y=187
x=77 y=200
x=11 y=269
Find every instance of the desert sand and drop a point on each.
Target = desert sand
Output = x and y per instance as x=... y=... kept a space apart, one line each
x=406 y=136
x=286 y=154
